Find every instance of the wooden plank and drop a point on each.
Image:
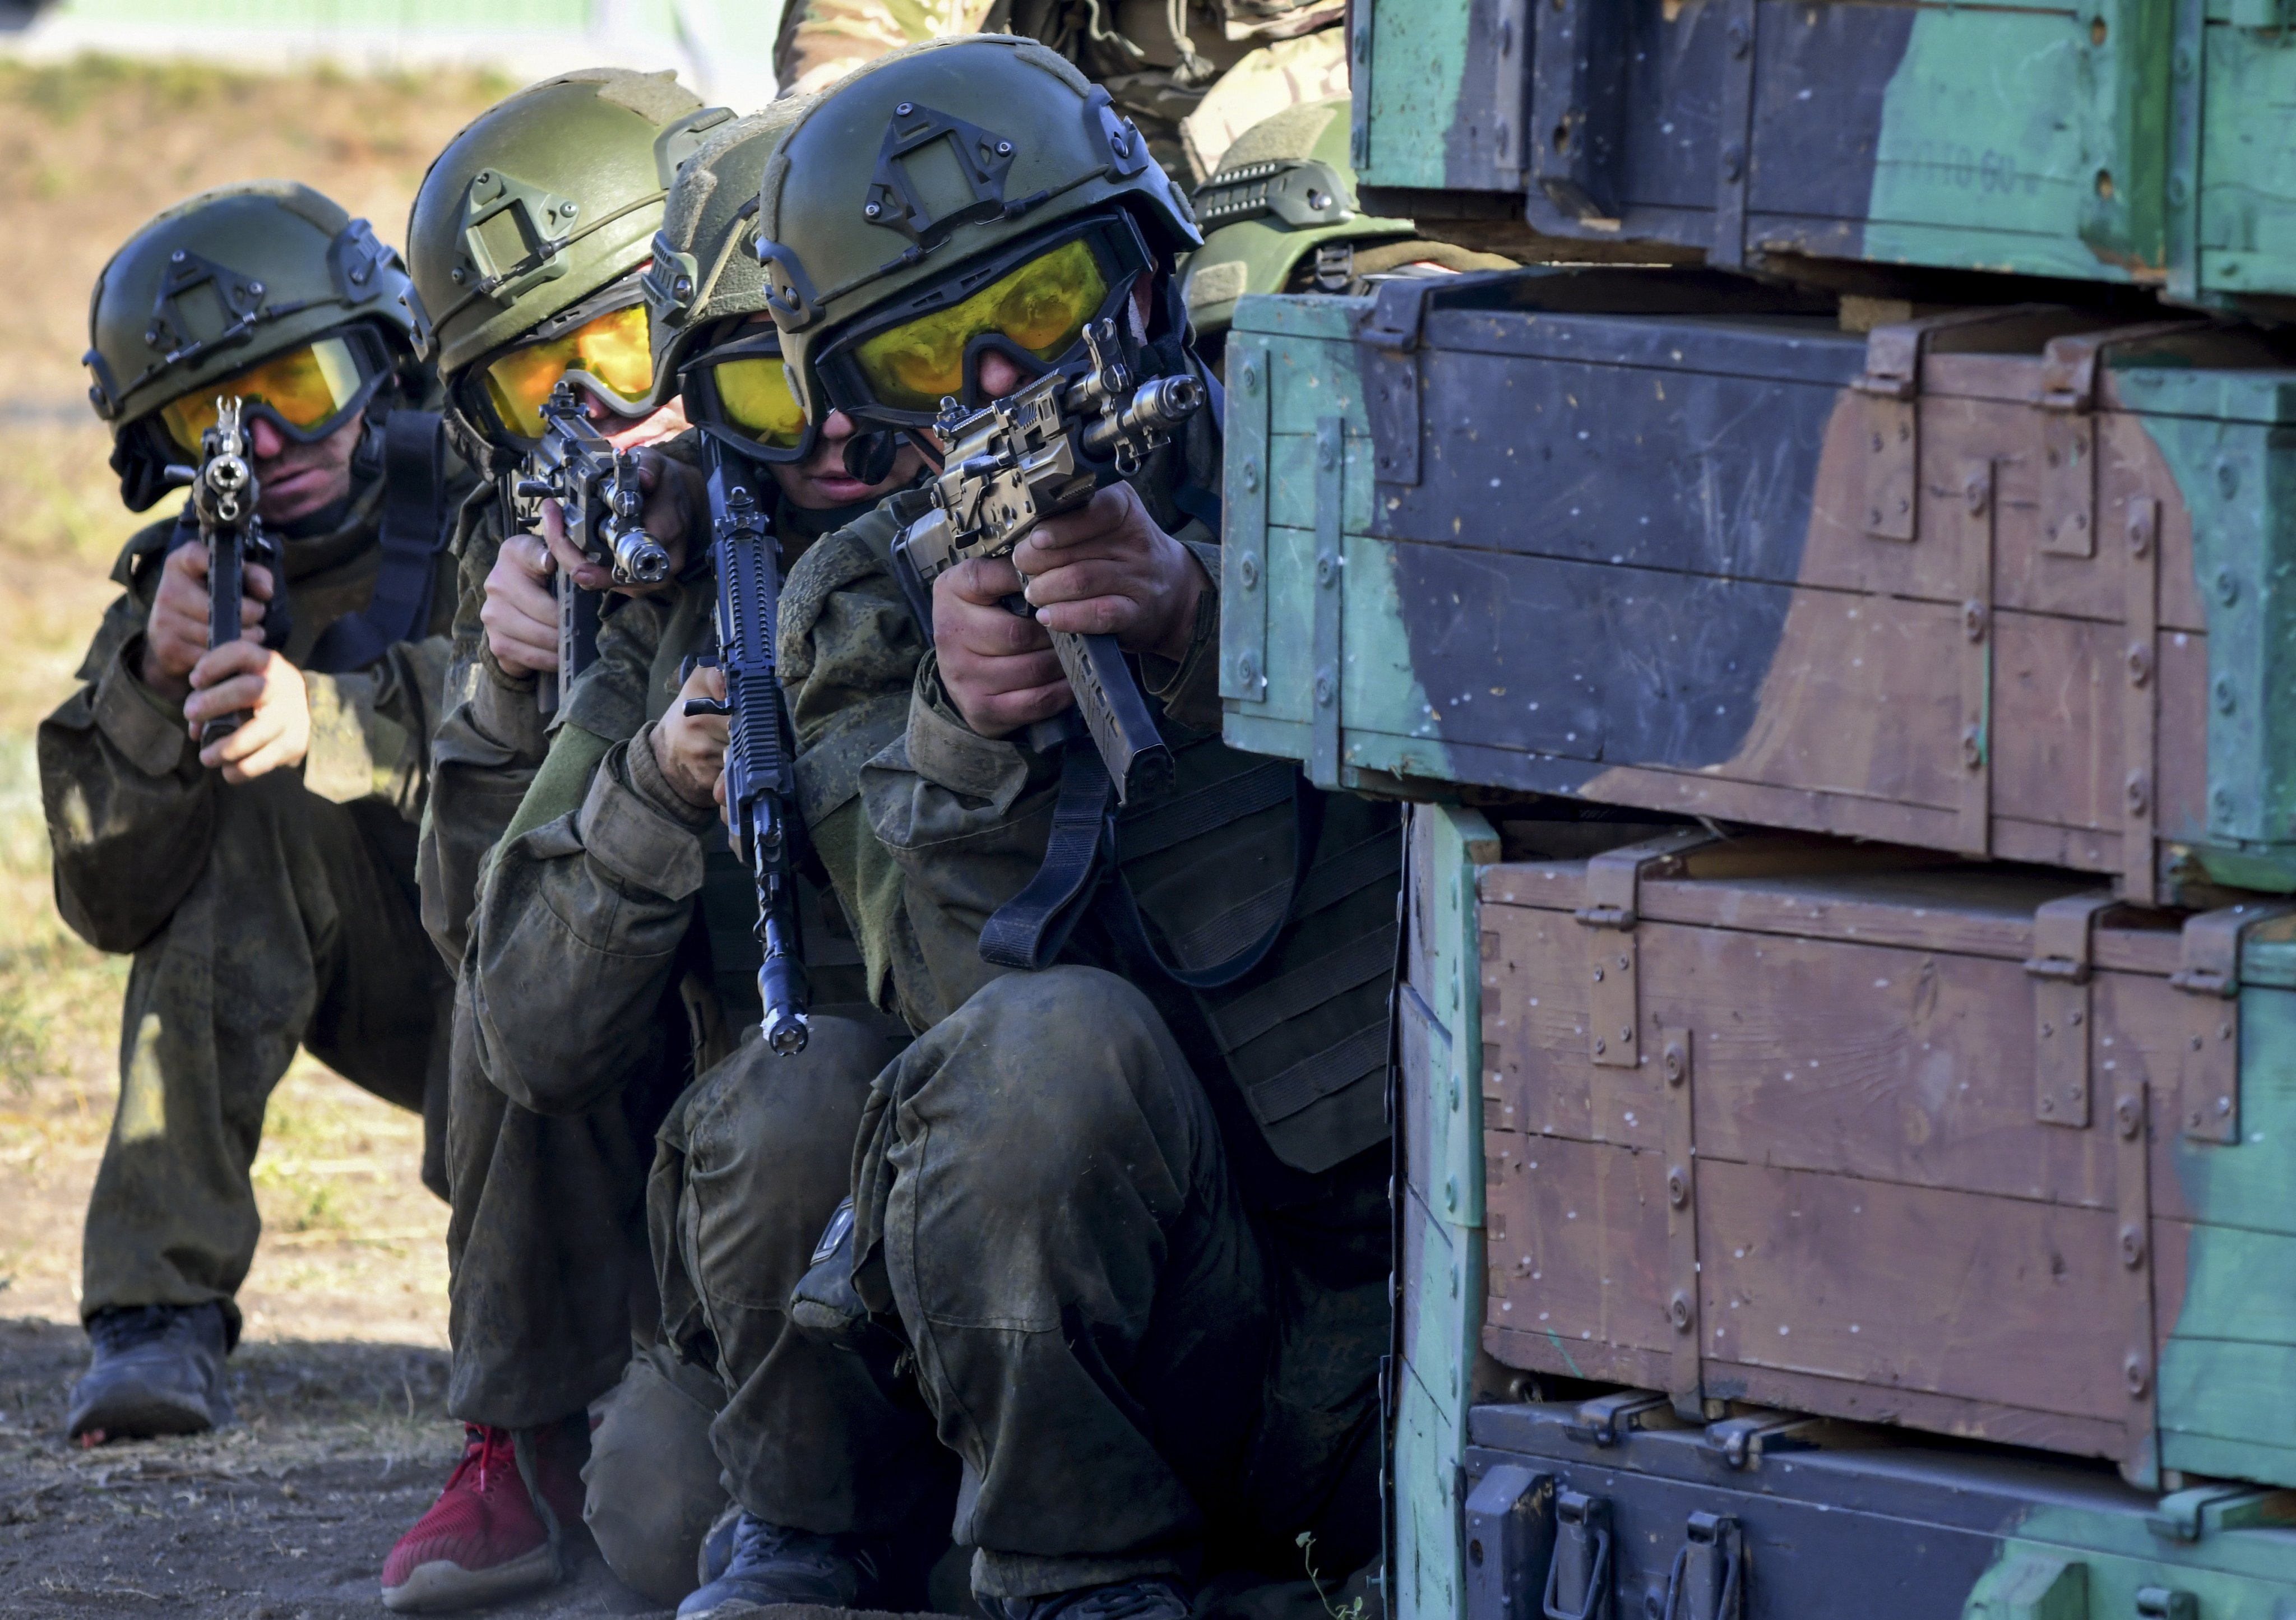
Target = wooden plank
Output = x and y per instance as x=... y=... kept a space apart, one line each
x=2049 y=1431
x=2129 y=466
x=2056 y=720
x=1534 y=1038
x=2180 y=779
x=1889 y=1064
x=1550 y=1352
x=2248 y=1187
x=2222 y=1283
x=1584 y=1258
x=1971 y=912
x=1954 y=1294
x=1814 y=810
x=2230 y=1390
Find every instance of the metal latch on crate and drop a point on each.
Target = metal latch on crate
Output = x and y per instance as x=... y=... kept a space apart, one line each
x=1603 y=1419
x=2060 y=967
x=1891 y=432
x=1579 y=1579
x=2068 y=449
x=1613 y=895
x=1708 y=1579
x=2208 y=1048
x=1509 y=1525
x=1744 y=1440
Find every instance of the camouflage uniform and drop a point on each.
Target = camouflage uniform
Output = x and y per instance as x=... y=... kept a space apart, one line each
x=279 y=911
x=1194 y=78
x=1126 y=1241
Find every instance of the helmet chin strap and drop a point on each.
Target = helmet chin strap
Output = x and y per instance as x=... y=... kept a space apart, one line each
x=869 y=456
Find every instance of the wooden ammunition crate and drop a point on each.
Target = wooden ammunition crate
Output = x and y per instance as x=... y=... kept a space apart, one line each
x=2131 y=141
x=1971 y=1151
x=2010 y=582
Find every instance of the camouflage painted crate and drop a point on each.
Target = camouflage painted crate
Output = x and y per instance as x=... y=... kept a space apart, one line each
x=1760 y=1517
x=2128 y=141
x=2005 y=582
x=1844 y=1131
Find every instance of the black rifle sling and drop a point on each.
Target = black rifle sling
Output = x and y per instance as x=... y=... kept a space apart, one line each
x=1029 y=930
x=414 y=529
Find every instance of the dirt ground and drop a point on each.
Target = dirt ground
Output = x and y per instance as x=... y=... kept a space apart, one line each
x=342 y=1439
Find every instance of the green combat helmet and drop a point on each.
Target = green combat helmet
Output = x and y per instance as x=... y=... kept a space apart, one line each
x=705 y=270
x=217 y=286
x=930 y=177
x=1280 y=217
x=526 y=239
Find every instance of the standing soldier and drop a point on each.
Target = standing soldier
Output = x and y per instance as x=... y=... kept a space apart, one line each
x=264 y=880
x=1192 y=74
x=527 y=240
x=1119 y=1230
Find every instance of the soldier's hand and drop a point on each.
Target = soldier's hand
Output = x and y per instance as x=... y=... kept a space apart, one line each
x=175 y=632
x=522 y=612
x=1107 y=570
x=676 y=495
x=690 y=748
x=246 y=676
x=999 y=667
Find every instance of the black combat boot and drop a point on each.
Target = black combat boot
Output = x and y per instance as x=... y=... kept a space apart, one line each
x=158 y=1370
x=771 y=1565
x=1144 y=1600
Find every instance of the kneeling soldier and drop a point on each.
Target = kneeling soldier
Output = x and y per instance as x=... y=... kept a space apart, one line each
x=263 y=878
x=1118 y=1235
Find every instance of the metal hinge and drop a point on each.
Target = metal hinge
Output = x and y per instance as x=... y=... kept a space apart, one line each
x=2059 y=968
x=2207 y=1053
x=1612 y=894
x=2068 y=405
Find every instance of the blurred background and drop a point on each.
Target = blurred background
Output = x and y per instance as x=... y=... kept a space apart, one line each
x=112 y=109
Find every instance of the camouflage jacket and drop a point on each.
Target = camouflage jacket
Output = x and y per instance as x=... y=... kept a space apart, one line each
x=130 y=807
x=1193 y=74
x=610 y=899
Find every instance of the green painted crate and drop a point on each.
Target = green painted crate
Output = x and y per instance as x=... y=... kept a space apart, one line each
x=2127 y=141
x=2190 y=1548
x=1508 y=532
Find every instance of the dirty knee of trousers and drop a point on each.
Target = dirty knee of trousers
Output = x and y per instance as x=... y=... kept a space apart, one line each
x=1043 y=1074
x=652 y=1478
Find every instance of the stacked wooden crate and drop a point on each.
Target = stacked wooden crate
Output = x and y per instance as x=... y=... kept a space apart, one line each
x=1861 y=992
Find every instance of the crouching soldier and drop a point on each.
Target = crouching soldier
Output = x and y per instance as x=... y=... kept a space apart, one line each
x=610 y=951
x=526 y=241
x=262 y=877
x=1118 y=1234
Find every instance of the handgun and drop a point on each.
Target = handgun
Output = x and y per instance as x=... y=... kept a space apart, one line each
x=223 y=495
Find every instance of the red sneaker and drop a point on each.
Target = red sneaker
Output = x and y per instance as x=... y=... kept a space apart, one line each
x=483 y=1541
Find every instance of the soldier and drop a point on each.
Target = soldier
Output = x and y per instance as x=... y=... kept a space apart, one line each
x=1281 y=216
x=527 y=238
x=1193 y=75
x=609 y=955
x=1118 y=1234
x=263 y=881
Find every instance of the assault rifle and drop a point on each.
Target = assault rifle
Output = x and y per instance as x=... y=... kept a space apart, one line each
x=597 y=489
x=1035 y=455
x=223 y=494
x=760 y=744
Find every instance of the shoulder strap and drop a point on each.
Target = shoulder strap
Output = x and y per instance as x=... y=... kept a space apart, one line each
x=413 y=530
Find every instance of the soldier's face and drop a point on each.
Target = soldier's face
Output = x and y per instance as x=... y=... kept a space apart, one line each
x=999 y=376
x=820 y=481
x=300 y=480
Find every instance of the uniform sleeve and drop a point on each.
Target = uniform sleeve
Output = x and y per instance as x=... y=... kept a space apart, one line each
x=823 y=40
x=130 y=810
x=577 y=934
x=483 y=762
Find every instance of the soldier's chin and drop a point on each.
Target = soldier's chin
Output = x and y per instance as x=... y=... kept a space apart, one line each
x=295 y=493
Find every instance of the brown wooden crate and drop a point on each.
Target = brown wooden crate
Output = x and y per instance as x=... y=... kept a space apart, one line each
x=1946 y=1293
x=1584 y=1258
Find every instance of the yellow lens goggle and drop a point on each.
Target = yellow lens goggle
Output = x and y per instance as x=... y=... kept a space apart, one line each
x=611 y=353
x=304 y=386
x=1042 y=307
x=753 y=395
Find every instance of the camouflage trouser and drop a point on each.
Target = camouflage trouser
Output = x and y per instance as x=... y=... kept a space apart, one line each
x=751 y=1164
x=546 y=1247
x=301 y=928
x=1135 y=1370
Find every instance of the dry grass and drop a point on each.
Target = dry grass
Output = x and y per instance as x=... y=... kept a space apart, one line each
x=353 y=1244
